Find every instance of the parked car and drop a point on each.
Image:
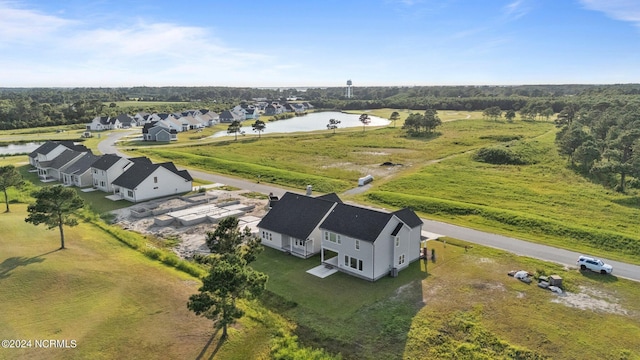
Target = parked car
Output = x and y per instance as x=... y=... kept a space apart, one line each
x=593 y=264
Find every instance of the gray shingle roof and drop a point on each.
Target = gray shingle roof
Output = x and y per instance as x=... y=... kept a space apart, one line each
x=61 y=160
x=296 y=215
x=356 y=222
x=408 y=217
x=106 y=161
x=141 y=170
x=330 y=197
x=44 y=148
x=83 y=164
x=49 y=145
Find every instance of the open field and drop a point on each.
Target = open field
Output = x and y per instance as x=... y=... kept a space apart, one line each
x=337 y=160
x=543 y=201
x=117 y=303
x=460 y=305
x=62 y=132
x=112 y=300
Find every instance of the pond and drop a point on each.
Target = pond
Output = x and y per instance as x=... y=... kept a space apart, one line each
x=310 y=122
x=13 y=149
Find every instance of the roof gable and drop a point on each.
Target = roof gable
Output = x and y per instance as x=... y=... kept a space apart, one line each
x=356 y=222
x=44 y=149
x=49 y=146
x=141 y=170
x=330 y=197
x=61 y=160
x=296 y=215
x=83 y=164
x=106 y=161
x=408 y=217
x=124 y=118
x=135 y=175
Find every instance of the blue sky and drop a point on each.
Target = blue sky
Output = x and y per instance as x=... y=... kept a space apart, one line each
x=282 y=43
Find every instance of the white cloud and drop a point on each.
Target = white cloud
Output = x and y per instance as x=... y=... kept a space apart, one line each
x=516 y=9
x=49 y=50
x=625 y=10
x=18 y=25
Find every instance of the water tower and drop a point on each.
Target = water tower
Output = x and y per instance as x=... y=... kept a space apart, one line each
x=349 y=91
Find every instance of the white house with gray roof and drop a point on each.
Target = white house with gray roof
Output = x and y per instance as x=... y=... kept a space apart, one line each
x=370 y=244
x=79 y=173
x=292 y=224
x=362 y=242
x=144 y=180
x=53 y=169
x=108 y=168
x=100 y=123
x=42 y=157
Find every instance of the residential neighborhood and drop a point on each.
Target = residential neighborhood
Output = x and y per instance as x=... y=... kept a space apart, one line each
x=133 y=179
x=165 y=127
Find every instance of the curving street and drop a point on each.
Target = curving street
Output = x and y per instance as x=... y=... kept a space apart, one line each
x=516 y=246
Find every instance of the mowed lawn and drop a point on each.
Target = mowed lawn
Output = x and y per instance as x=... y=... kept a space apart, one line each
x=110 y=299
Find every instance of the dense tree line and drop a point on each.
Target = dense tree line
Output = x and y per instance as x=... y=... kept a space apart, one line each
x=603 y=142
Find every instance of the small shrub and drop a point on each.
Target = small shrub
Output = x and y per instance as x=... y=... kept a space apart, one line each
x=498 y=156
x=502 y=138
x=152 y=253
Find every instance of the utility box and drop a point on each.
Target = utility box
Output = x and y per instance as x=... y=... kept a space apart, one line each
x=555 y=280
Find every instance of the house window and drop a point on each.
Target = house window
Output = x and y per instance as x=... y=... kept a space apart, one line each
x=130 y=193
x=397 y=241
x=102 y=183
x=353 y=263
x=357 y=244
x=155 y=179
x=334 y=238
x=401 y=259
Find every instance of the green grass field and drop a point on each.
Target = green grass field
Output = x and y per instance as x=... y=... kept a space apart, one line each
x=462 y=304
x=543 y=201
x=112 y=300
x=116 y=303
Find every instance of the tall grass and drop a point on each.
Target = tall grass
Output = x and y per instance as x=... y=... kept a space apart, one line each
x=140 y=243
x=253 y=171
x=541 y=199
x=571 y=236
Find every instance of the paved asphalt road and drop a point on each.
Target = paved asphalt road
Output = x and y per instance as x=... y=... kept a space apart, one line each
x=513 y=245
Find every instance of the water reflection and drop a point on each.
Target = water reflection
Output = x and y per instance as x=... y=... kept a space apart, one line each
x=13 y=149
x=310 y=122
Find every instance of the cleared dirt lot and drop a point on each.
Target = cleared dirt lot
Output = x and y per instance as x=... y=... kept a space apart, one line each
x=174 y=219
